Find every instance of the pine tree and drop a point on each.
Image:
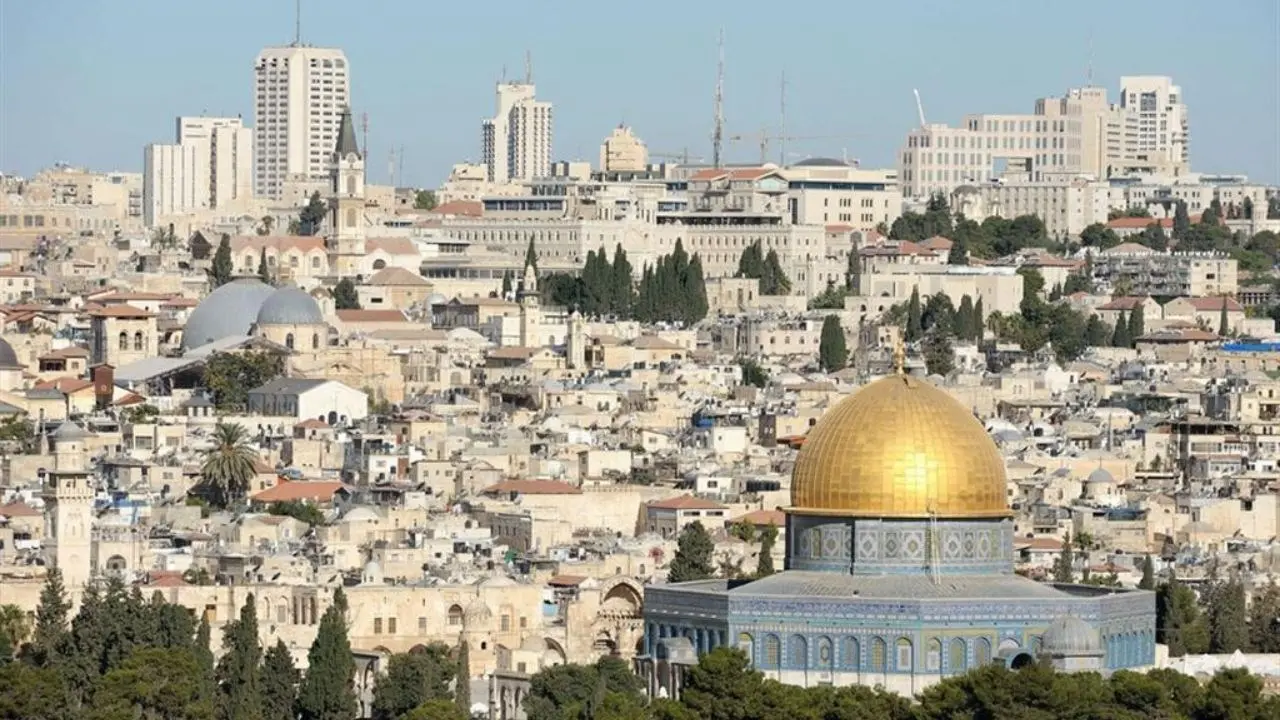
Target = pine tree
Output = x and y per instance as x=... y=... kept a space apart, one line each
x=833 y=354
x=1137 y=325
x=1148 y=581
x=221 y=271
x=264 y=273
x=693 y=559
x=1264 y=619
x=328 y=691
x=915 y=330
x=1120 y=338
x=767 y=539
x=1228 y=628
x=279 y=683
x=1179 y=623
x=51 y=617
x=345 y=296
x=312 y=215
x=238 y=675
x=462 y=683
x=1064 y=566
x=1224 y=326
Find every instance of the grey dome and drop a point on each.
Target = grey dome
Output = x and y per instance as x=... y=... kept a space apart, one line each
x=8 y=358
x=290 y=306
x=436 y=298
x=1069 y=636
x=821 y=162
x=227 y=312
x=69 y=431
x=1101 y=476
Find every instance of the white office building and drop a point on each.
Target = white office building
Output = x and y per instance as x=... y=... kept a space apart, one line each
x=208 y=167
x=516 y=142
x=299 y=94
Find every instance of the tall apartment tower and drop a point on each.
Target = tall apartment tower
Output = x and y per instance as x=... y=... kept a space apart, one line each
x=299 y=93
x=208 y=167
x=516 y=142
x=1155 y=130
x=346 y=220
x=68 y=502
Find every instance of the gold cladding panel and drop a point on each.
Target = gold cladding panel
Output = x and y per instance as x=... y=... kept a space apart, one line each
x=900 y=447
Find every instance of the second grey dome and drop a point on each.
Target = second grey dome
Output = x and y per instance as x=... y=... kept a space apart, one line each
x=290 y=306
x=225 y=312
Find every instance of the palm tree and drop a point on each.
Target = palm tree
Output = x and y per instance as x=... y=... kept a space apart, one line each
x=228 y=465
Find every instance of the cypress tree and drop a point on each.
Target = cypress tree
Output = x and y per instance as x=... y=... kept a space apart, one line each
x=1120 y=337
x=1096 y=332
x=832 y=351
x=697 y=292
x=462 y=684
x=221 y=271
x=328 y=691
x=914 y=327
x=1228 y=627
x=204 y=653
x=279 y=683
x=1063 y=568
x=1181 y=221
x=1224 y=327
x=767 y=540
x=507 y=286
x=1137 y=325
x=51 y=617
x=964 y=319
x=1148 y=581
x=264 y=272
x=853 y=273
x=774 y=276
x=238 y=675
x=979 y=320
x=622 y=283
x=1264 y=619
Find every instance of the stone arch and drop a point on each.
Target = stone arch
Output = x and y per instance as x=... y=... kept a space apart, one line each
x=554 y=653
x=982 y=651
x=879 y=654
x=957 y=656
x=417 y=649
x=798 y=652
x=455 y=615
x=904 y=655
x=382 y=650
x=117 y=563
x=623 y=597
x=772 y=657
x=851 y=653
x=604 y=644
x=933 y=655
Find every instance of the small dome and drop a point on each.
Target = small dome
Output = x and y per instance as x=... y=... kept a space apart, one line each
x=290 y=306
x=821 y=162
x=496 y=581
x=1100 y=476
x=226 y=312
x=477 y=612
x=69 y=432
x=8 y=358
x=436 y=298
x=1069 y=636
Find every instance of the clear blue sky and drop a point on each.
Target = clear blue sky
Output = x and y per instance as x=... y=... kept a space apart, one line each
x=90 y=82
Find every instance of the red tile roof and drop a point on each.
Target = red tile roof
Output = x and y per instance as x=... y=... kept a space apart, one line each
x=1124 y=303
x=286 y=490
x=121 y=311
x=19 y=509
x=1212 y=304
x=566 y=580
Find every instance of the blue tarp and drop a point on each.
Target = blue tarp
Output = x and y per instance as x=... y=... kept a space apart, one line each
x=1251 y=347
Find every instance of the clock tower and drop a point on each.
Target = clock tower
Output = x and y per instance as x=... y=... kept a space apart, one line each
x=346 y=202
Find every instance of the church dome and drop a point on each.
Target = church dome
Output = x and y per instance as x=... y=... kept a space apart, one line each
x=290 y=306
x=899 y=447
x=8 y=358
x=226 y=312
x=477 y=613
x=1069 y=636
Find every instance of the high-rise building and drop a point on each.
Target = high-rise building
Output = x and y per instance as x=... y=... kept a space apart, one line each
x=208 y=167
x=516 y=142
x=1080 y=133
x=622 y=151
x=299 y=94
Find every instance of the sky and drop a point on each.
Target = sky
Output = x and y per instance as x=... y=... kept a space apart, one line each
x=91 y=82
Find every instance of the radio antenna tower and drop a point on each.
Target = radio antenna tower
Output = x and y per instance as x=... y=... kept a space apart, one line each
x=297 y=24
x=717 y=134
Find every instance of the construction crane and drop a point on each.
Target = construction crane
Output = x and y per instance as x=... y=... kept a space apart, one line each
x=683 y=157
x=765 y=138
x=919 y=108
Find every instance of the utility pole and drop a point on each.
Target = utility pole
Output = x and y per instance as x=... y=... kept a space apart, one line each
x=717 y=134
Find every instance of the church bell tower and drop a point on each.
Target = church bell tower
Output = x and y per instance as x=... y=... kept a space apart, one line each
x=346 y=220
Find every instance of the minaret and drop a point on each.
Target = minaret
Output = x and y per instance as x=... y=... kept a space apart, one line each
x=575 y=344
x=68 y=502
x=530 y=315
x=346 y=214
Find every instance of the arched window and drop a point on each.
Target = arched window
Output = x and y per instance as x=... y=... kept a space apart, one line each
x=878 y=652
x=825 y=653
x=933 y=655
x=288 y=341
x=455 y=615
x=315 y=341
x=379 y=264
x=903 y=655
x=124 y=341
x=982 y=652
x=772 y=651
x=137 y=340
x=850 y=654
x=799 y=652
x=351 y=185
x=957 y=656
x=315 y=262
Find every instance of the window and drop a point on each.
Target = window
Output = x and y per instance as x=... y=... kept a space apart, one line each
x=878 y=652
x=851 y=654
x=391 y=626
x=455 y=616
x=904 y=654
x=933 y=655
x=824 y=653
x=282 y=612
x=124 y=341
x=799 y=652
x=315 y=341
x=422 y=624
x=505 y=623
x=377 y=626
x=351 y=184
x=957 y=657
x=288 y=341
x=982 y=653
x=351 y=217
x=137 y=341
x=746 y=645
x=772 y=651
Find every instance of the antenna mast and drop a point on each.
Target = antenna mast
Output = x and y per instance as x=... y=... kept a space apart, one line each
x=1089 y=70
x=717 y=135
x=297 y=24
x=400 y=168
x=782 y=122
x=528 y=67
x=391 y=166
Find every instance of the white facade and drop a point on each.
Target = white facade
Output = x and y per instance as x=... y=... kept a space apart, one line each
x=209 y=167
x=1155 y=122
x=174 y=181
x=299 y=94
x=516 y=142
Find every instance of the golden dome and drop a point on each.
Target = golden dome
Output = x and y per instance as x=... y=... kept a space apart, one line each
x=899 y=447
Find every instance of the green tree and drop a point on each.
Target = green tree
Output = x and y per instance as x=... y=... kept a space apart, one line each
x=238 y=674
x=279 y=683
x=1228 y=621
x=229 y=376
x=1246 y=208
x=1224 y=324
x=572 y=692
x=413 y=679
x=152 y=684
x=424 y=200
x=203 y=650
x=914 y=330
x=328 y=690
x=34 y=693
x=853 y=273
x=1264 y=619
x=775 y=280
x=939 y=356
x=693 y=558
x=1148 y=581
x=51 y=617
x=965 y=327
x=724 y=686
x=462 y=679
x=1181 y=221
x=345 y=296
x=1137 y=324
x=752 y=373
x=979 y=319
x=298 y=510
x=1096 y=332
x=264 y=272
x=14 y=628
x=508 y=285
x=1179 y=623
x=222 y=270
x=229 y=465
x=623 y=298
x=768 y=538
x=1153 y=236
x=832 y=298
x=1064 y=566
x=832 y=352
x=1121 y=338
x=1099 y=236
x=437 y=710
x=312 y=215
